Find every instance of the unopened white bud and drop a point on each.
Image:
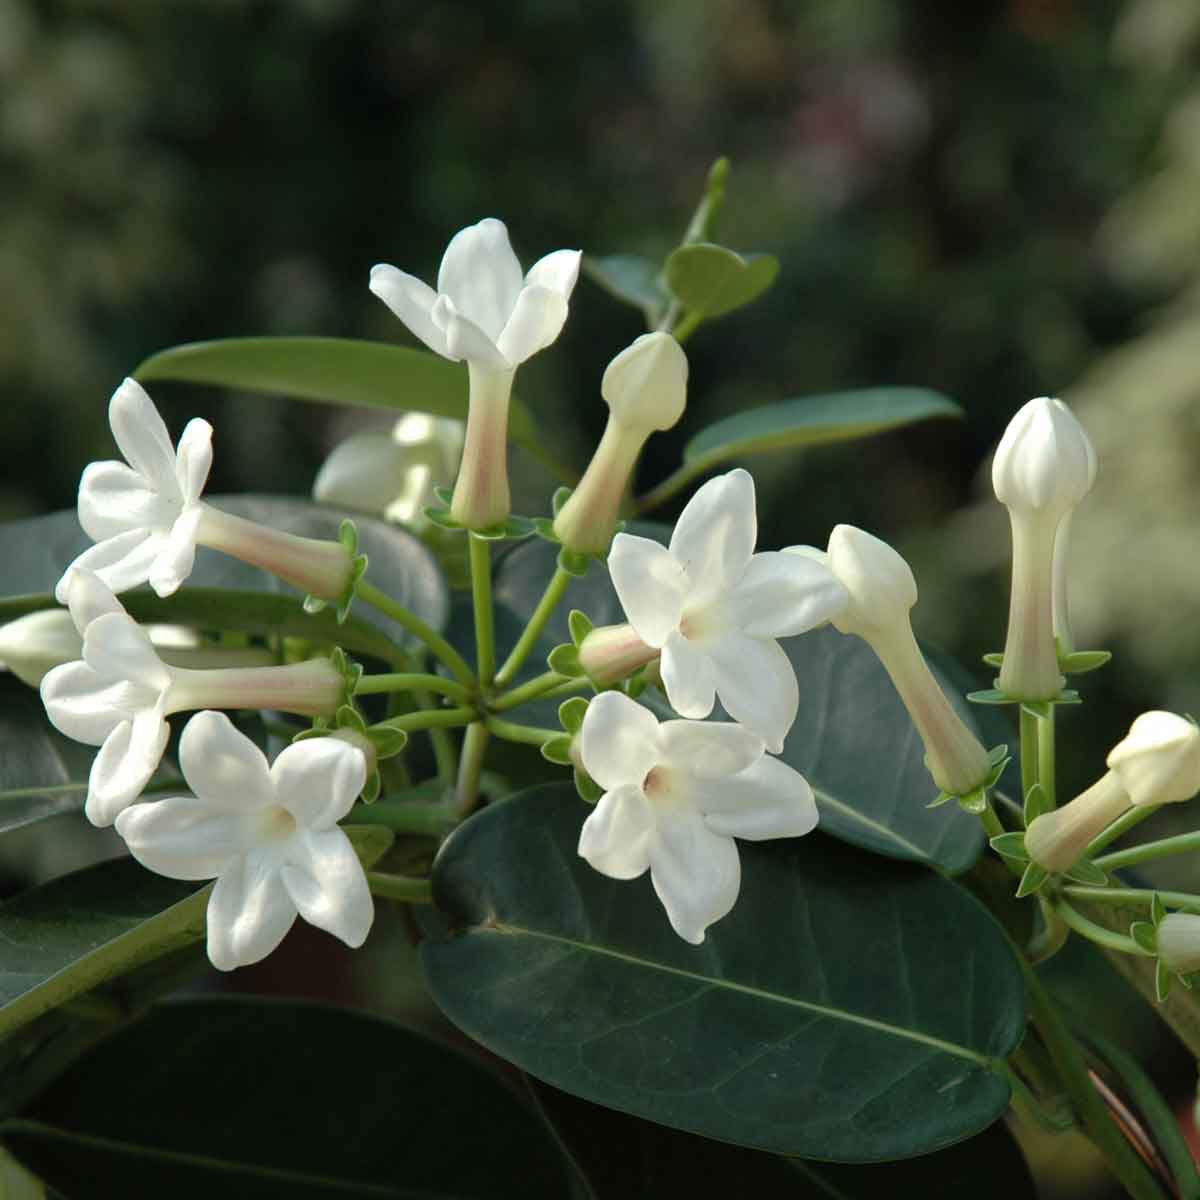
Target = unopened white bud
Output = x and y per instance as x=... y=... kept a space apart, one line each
x=31 y=645
x=1178 y=938
x=879 y=582
x=1158 y=762
x=610 y=653
x=1045 y=462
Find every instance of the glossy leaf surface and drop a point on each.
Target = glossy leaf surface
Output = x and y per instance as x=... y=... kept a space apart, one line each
x=710 y=280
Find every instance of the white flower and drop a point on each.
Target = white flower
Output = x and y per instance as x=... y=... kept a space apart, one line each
x=483 y=310
x=268 y=834
x=675 y=797
x=715 y=608
x=119 y=696
x=143 y=516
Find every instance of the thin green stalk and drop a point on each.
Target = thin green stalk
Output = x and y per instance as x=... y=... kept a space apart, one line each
x=1096 y=933
x=1046 y=769
x=470 y=767
x=438 y=646
x=443 y=718
x=1123 y=824
x=68 y=789
x=1101 y=1128
x=400 y=887
x=1182 y=843
x=1029 y=751
x=536 y=688
x=550 y=600
x=991 y=822
x=528 y=734
x=370 y=685
x=429 y=820
x=1187 y=901
x=686 y=327
x=1029 y=1106
x=481 y=596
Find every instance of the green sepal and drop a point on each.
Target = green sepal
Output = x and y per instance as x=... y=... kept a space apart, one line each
x=580 y=625
x=1038 y=708
x=974 y=802
x=1082 y=661
x=348 y=717
x=1035 y=875
x=995 y=659
x=560 y=497
x=312 y=604
x=571 y=713
x=544 y=528
x=441 y=517
x=358 y=568
x=387 y=740
x=372 y=787
x=637 y=683
x=1010 y=846
x=998 y=756
x=1158 y=910
x=445 y=495
x=306 y=735
x=997 y=770
x=991 y=696
x=558 y=750
x=564 y=660
x=370 y=842
x=573 y=562
x=348 y=536
x=510 y=529
x=1146 y=936
x=587 y=787
x=1085 y=871
x=1068 y=696
x=1189 y=980
x=1162 y=981
x=1036 y=804
x=350 y=671
x=940 y=799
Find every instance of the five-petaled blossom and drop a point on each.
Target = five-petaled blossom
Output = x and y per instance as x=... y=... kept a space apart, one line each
x=715 y=608
x=268 y=835
x=676 y=794
x=119 y=696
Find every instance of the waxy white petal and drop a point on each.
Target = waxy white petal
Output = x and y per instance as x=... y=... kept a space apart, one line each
x=768 y=799
x=412 y=301
x=175 y=559
x=619 y=741
x=781 y=595
x=650 y=584
x=193 y=459
x=325 y=882
x=118 y=648
x=536 y=320
x=481 y=275
x=249 y=912
x=695 y=872
x=184 y=837
x=88 y=597
x=558 y=271
x=715 y=534
x=142 y=438
x=318 y=780
x=122 y=562
x=223 y=766
x=86 y=706
x=614 y=837
x=129 y=757
x=689 y=676
x=708 y=749
x=465 y=340
x=756 y=684
x=114 y=499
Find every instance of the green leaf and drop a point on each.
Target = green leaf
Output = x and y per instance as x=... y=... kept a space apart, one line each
x=329 y=370
x=258 y=1099
x=710 y=280
x=631 y=279
x=223 y=593
x=655 y=1162
x=847 y=1007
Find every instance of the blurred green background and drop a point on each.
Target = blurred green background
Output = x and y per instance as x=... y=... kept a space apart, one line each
x=995 y=199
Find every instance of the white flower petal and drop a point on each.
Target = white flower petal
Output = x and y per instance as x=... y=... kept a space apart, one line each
x=178 y=553
x=557 y=271
x=412 y=301
x=85 y=706
x=650 y=584
x=193 y=459
x=695 y=872
x=615 y=835
x=318 y=780
x=122 y=562
x=781 y=595
x=618 y=741
x=715 y=534
x=367 y=471
x=89 y=597
x=708 y=749
x=184 y=837
x=537 y=319
x=249 y=912
x=465 y=340
x=129 y=757
x=756 y=684
x=116 y=647
x=114 y=499
x=142 y=437
x=768 y=799
x=223 y=766
x=481 y=275
x=688 y=677
x=329 y=889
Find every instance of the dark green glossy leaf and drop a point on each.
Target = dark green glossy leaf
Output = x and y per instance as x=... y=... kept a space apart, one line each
x=631 y=279
x=223 y=593
x=710 y=280
x=848 y=1008
x=655 y=1161
x=331 y=371
x=266 y=1099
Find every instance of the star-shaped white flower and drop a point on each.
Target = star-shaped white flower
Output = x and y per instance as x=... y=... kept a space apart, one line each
x=676 y=795
x=484 y=310
x=143 y=516
x=268 y=835
x=715 y=608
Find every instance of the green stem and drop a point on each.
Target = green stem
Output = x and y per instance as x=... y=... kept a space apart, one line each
x=1183 y=900
x=470 y=767
x=1029 y=751
x=443 y=718
x=429 y=820
x=438 y=646
x=444 y=754
x=1123 y=824
x=534 y=689
x=991 y=822
x=1180 y=844
x=686 y=327
x=1045 y=764
x=1028 y=1105
x=370 y=685
x=400 y=887
x=1072 y=1070
x=513 y=732
x=1096 y=933
x=550 y=600
x=481 y=596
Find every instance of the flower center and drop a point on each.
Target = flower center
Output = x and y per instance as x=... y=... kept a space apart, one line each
x=276 y=824
x=659 y=784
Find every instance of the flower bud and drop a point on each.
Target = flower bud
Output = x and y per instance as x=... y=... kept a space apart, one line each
x=645 y=388
x=1159 y=760
x=610 y=653
x=481 y=496
x=1178 y=936
x=1043 y=467
x=881 y=590
x=1057 y=840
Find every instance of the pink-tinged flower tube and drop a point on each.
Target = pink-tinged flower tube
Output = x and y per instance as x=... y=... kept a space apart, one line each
x=610 y=653
x=267 y=834
x=645 y=388
x=1043 y=468
x=487 y=314
x=676 y=794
